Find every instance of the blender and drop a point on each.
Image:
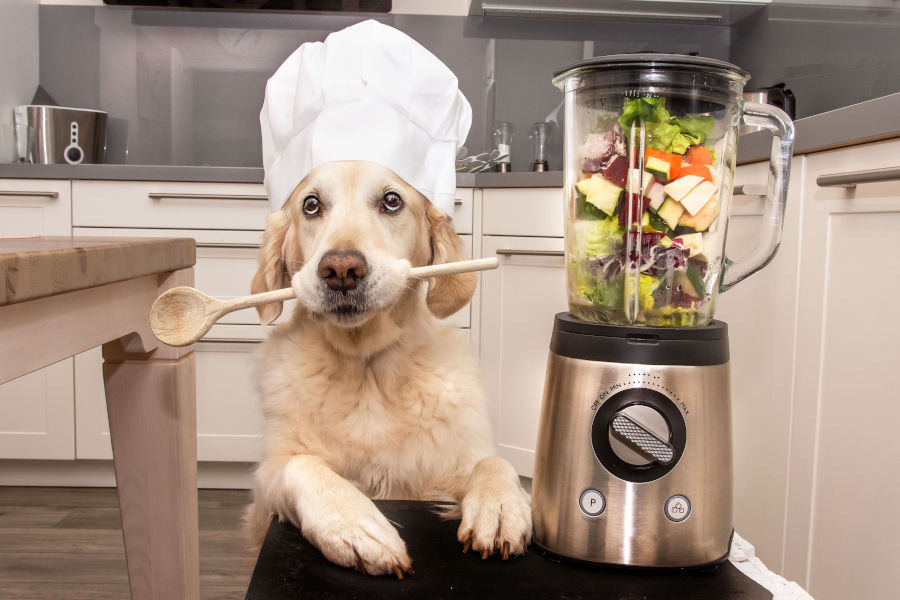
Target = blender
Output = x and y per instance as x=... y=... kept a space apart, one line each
x=633 y=464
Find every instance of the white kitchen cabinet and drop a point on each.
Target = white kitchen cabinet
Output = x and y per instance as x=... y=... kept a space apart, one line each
x=36 y=410
x=229 y=416
x=761 y=316
x=35 y=207
x=518 y=302
x=842 y=522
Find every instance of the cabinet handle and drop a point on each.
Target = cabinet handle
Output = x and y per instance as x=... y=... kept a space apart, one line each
x=235 y=245
x=749 y=190
x=508 y=252
x=457 y=203
x=173 y=195
x=854 y=178
x=28 y=193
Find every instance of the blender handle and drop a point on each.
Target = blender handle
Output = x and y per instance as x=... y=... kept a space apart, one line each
x=775 y=120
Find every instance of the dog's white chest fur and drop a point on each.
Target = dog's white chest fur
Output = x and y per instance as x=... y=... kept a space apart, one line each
x=395 y=430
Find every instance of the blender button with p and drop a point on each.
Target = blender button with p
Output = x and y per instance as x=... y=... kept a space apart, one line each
x=678 y=508
x=592 y=502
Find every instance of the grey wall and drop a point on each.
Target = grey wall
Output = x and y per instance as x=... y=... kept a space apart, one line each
x=828 y=56
x=185 y=87
x=18 y=64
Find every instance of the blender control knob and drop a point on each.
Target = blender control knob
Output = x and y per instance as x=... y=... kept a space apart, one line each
x=645 y=431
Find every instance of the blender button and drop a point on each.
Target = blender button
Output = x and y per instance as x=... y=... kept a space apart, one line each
x=592 y=502
x=678 y=508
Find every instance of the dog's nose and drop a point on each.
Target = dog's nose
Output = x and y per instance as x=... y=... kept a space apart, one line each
x=342 y=270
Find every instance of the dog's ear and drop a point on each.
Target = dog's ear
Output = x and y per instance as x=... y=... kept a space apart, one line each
x=273 y=273
x=449 y=293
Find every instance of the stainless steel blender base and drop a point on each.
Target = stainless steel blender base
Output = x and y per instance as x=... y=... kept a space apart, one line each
x=590 y=505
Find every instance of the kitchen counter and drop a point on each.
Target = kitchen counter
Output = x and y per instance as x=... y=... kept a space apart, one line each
x=876 y=119
x=239 y=175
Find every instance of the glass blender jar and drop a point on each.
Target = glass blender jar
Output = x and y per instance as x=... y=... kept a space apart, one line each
x=649 y=159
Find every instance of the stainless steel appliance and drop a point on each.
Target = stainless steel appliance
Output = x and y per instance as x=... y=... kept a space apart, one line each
x=59 y=135
x=633 y=463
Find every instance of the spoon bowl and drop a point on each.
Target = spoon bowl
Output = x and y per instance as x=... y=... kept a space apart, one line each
x=182 y=315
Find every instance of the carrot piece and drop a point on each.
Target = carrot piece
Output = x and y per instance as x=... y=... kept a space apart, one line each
x=698 y=155
x=674 y=160
x=699 y=170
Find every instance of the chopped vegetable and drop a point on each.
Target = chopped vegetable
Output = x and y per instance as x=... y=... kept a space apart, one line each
x=603 y=193
x=698 y=155
x=703 y=219
x=638 y=233
x=698 y=170
x=682 y=186
x=670 y=212
x=697 y=198
x=664 y=173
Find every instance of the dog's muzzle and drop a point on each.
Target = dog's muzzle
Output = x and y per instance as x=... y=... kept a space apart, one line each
x=343 y=270
x=344 y=275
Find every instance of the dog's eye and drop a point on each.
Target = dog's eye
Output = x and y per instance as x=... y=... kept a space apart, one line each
x=392 y=202
x=311 y=206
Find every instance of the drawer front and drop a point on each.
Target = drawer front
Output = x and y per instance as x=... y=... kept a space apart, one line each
x=523 y=212
x=35 y=207
x=187 y=205
x=161 y=204
x=462 y=210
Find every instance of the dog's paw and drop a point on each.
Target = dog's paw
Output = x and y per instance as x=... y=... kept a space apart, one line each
x=360 y=538
x=496 y=518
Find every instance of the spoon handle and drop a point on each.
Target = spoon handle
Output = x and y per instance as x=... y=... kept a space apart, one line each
x=452 y=268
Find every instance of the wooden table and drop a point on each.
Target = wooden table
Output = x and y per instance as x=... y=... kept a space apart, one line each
x=61 y=296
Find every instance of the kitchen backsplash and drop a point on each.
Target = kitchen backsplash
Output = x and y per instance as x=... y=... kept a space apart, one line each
x=186 y=87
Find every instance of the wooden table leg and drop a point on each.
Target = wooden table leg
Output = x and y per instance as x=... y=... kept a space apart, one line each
x=153 y=426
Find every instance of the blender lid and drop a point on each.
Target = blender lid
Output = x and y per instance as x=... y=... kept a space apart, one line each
x=649 y=59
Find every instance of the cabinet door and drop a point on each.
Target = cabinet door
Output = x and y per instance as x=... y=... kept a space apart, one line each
x=845 y=451
x=36 y=410
x=35 y=207
x=229 y=415
x=761 y=317
x=518 y=302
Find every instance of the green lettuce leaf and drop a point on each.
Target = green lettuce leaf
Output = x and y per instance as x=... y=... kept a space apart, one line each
x=645 y=109
x=661 y=135
x=698 y=127
x=594 y=238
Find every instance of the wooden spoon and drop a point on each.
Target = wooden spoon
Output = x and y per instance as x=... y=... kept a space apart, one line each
x=182 y=315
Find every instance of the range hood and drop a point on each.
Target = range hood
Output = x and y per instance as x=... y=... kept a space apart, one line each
x=701 y=12
x=310 y=6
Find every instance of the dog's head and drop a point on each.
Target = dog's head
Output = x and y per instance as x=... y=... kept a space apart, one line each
x=345 y=239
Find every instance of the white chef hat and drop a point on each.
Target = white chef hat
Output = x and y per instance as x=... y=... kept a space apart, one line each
x=368 y=92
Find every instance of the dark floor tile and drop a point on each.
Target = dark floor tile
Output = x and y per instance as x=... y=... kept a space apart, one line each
x=75 y=541
x=226 y=570
x=59 y=497
x=221 y=519
x=31 y=516
x=63 y=568
x=67 y=591
x=91 y=518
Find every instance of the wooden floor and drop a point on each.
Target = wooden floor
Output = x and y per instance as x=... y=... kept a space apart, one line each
x=66 y=544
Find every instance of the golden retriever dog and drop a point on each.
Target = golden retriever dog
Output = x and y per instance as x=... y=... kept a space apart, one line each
x=366 y=393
